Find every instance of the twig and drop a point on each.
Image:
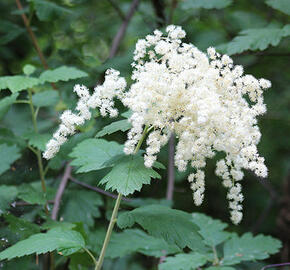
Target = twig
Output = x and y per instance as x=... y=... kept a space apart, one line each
x=60 y=191
x=119 y=11
x=33 y=38
x=97 y=189
x=31 y=34
x=170 y=183
x=172 y=9
x=24 y=203
x=122 y=30
x=159 y=11
x=275 y=265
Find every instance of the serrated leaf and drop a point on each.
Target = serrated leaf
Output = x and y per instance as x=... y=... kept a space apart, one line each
x=9 y=31
x=7 y=195
x=29 y=193
x=64 y=241
x=5 y=104
x=183 y=262
x=21 y=226
x=218 y=4
x=7 y=136
x=249 y=248
x=8 y=155
x=63 y=73
x=281 y=5
x=211 y=230
x=130 y=241
x=45 y=98
x=128 y=175
x=17 y=83
x=81 y=206
x=122 y=125
x=45 y=10
x=174 y=226
x=52 y=224
x=37 y=140
x=256 y=39
x=91 y=154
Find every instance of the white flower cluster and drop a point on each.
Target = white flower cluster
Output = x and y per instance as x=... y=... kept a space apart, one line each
x=102 y=98
x=201 y=98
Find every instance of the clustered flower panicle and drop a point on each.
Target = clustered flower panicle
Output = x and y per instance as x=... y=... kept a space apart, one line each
x=201 y=98
x=102 y=98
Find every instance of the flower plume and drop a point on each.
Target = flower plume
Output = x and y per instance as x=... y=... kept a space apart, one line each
x=199 y=97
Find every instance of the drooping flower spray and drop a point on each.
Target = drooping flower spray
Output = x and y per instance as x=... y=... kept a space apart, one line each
x=201 y=98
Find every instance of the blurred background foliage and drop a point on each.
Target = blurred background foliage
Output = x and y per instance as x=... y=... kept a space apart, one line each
x=80 y=33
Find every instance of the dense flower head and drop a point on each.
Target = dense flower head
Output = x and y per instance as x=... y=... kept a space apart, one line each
x=201 y=98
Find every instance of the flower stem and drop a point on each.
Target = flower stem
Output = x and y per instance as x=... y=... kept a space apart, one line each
x=115 y=212
x=91 y=255
x=109 y=232
x=37 y=152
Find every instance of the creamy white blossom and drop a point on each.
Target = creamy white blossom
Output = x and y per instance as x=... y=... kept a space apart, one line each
x=102 y=98
x=201 y=98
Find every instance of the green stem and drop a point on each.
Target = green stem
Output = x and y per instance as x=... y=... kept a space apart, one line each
x=115 y=212
x=91 y=255
x=22 y=101
x=37 y=152
x=146 y=129
x=216 y=258
x=109 y=232
x=32 y=111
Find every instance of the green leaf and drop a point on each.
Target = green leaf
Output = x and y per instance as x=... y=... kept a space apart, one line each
x=21 y=226
x=147 y=201
x=52 y=224
x=184 y=262
x=281 y=5
x=45 y=98
x=249 y=248
x=81 y=206
x=256 y=39
x=128 y=175
x=5 y=104
x=28 y=69
x=31 y=194
x=122 y=125
x=7 y=195
x=8 y=154
x=130 y=241
x=45 y=10
x=211 y=230
x=64 y=241
x=91 y=154
x=9 y=31
x=37 y=140
x=61 y=74
x=218 y=4
x=17 y=83
x=174 y=226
